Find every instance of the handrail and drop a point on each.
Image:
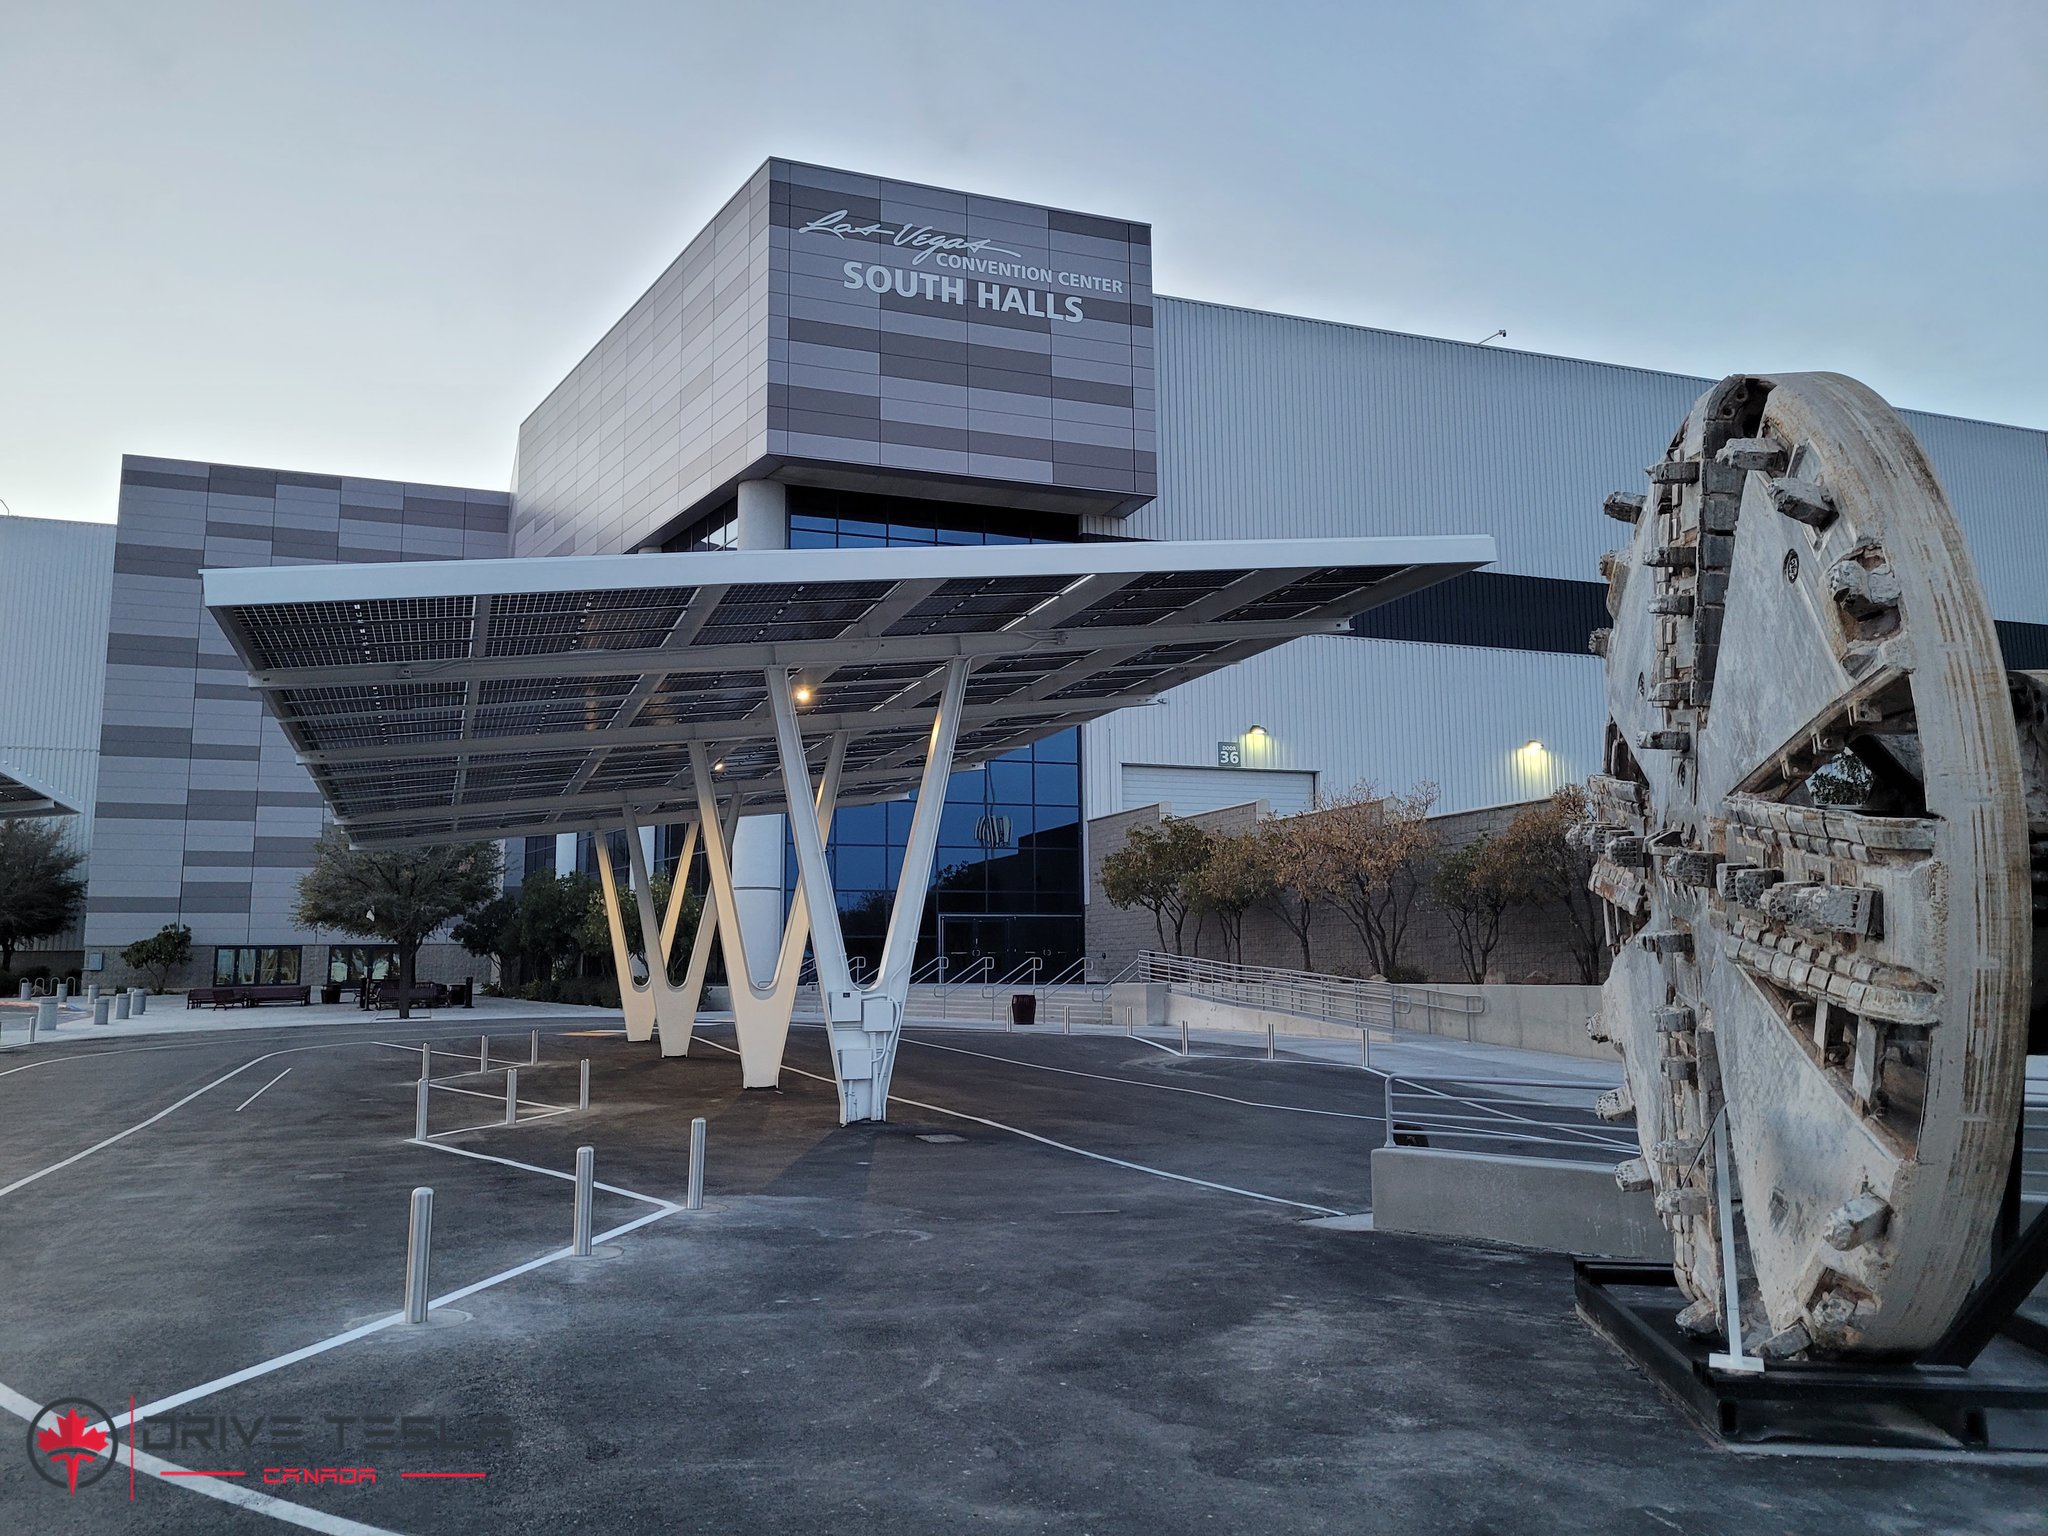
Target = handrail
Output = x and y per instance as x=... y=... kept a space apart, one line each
x=1558 y=1121
x=1069 y=975
x=1346 y=999
x=983 y=964
x=1025 y=974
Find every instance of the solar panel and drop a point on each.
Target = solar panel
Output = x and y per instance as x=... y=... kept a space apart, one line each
x=489 y=698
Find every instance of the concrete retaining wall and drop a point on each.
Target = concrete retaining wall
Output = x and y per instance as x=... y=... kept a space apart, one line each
x=1533 y=1018
x=1525 y=1202
x=1211 y=1013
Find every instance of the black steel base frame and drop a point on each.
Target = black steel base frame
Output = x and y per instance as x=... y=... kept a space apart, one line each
x=1953 y=1398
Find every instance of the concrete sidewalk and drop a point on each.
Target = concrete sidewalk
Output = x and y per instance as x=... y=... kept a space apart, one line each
x=168 y=1015
x=1406 y=1055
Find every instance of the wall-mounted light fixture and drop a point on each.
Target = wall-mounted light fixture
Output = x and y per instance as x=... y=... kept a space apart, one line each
x=1256 y=733
x=803 y=694
x=1533 y=747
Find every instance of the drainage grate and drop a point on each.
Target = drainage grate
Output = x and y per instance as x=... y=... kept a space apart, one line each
x=939 y=1137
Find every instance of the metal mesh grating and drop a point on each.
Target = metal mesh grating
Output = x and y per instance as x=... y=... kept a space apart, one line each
x=983 y=603
x=354 y=633
x=698 y=697
x=543 y=707
x=817 y=610
x=1149 y=599
x=550 y=623
x=1313 y=591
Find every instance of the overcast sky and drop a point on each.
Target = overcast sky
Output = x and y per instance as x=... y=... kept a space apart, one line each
x=367 y=238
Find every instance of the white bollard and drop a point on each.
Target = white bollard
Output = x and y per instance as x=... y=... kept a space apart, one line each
x=418 y=1244
x=102 y=1007
x=1183 y=1037
x=141 y=1001
x=92 y=994
x=583 y=1088
x=483 y=1053
x=122 y=1002
x=26 y=988
x=419 y=1111
x=511 y=1095
x=1365 y=1048
x=1269 y=1039
x=579 y=1225
x=45 y=1019
x=694 y=1201
x=426 y=1060
x=533 y=1056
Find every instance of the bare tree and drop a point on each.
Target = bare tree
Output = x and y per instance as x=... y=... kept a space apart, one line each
x=1235 y=878
x=1551 y=875
x=1475 y=885
x=1304 y=866
x=1384 y=841
x=1155 y=869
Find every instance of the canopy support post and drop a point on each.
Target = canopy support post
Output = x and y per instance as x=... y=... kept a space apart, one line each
x=636 y=1001
x=865 y=1023
x=676 y=1041
x=760 y=1013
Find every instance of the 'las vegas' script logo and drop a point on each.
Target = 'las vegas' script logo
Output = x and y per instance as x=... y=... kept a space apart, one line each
x=921 y=238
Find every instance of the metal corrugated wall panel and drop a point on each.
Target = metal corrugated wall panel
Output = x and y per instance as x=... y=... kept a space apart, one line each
x=56 y=586
x=1997 y=480
x=1290 y=427
x=1271 y=424
x=1392 y=712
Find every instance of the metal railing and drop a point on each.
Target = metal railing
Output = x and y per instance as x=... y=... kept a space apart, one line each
x=1341 y=999
x=2034 y=1143
x=1547 y=1118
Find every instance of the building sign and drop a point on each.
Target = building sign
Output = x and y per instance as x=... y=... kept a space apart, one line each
x=1229 y=754
x=960 y=336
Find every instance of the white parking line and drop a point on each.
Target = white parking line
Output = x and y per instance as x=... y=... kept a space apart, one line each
x=247 y=1498
x=261 y=1091
x=378 y=1325
x=1100 y=1157
x=1139 y=1082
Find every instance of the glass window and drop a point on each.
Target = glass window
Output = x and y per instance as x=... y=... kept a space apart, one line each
x=1032 y=795
x=256 y=965
x=1057 y=784
x=1009 y=780
x=351 y=965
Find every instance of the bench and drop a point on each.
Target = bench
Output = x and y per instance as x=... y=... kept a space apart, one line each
x=248 y=995
x=425 y=994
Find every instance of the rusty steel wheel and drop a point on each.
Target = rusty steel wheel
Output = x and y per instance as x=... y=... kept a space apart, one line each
x=1811 y=837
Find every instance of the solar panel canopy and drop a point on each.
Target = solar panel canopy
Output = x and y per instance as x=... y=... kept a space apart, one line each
x=21 y=795
x=487 y=698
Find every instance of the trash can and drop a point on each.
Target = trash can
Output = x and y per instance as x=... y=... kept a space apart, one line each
x=461 y=992
x=1023 y=1009
x=330 y=992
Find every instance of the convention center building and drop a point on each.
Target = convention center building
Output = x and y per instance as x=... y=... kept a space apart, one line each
x=845 y=361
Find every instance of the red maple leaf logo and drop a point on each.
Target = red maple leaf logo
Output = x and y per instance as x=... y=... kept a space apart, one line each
x=71 y=1440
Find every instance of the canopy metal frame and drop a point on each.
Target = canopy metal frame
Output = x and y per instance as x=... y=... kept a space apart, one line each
x=436 y=701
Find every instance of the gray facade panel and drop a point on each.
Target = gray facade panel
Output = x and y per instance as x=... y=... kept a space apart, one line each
x=192 y=768
x=812 y=303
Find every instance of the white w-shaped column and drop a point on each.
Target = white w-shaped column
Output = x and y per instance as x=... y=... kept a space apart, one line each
x=652 y=1001
x=761 y=1008
x=864 y=1023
